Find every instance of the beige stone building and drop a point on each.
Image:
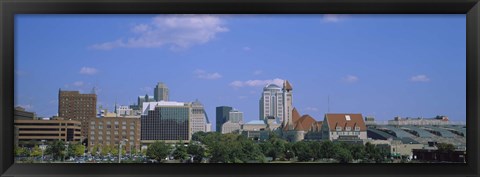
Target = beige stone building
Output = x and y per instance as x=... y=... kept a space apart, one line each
x=32 y=132
x=110 y=131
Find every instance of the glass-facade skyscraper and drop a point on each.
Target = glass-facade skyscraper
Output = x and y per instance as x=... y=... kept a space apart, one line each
x=166 y=123
x=222 y=116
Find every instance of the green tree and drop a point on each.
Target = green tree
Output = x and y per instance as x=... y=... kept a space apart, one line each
x=36 y=151
x=21 y=151
x=219 y=153
x=197 y=151
x=96 y=149
x=133 y=151
x=78 y=149
x=343 y=155
x=357 y=151
x=327 y=149
x=158 y=150
x=315 y=148
x=56 y=149
x=445 y=147
x=105 y=150
x=180 y=152
x=303 y=151
x=114 y=150
x=278 y=148
x=251 y=151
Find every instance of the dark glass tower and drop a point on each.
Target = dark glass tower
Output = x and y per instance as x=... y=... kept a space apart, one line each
x=222 y=117
x=169 y=123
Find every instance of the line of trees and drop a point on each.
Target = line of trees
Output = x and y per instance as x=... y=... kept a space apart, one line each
x=233 y=148
x=57 y=150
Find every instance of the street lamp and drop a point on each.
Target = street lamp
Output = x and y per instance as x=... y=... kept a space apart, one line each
x=66 y=151
x=42 y=147
x=120 y=149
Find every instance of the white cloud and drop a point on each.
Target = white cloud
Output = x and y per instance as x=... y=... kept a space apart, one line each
x=88 y=71
x=350 y=78
x=246 y=49
x=176 y=31
x=27 y=107
x=332 y=18
x=419 y=78
x=256 y=83
x=78 y=84
x=257 y=72
x=311 y=109
x=201 y=74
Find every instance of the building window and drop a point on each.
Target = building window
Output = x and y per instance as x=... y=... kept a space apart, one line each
x=339 y=128
x=357 y=128
x=348 y=128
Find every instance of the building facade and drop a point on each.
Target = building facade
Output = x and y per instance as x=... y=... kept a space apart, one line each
x=20 y=114
x=142 y=99
x=198 y=117
x=235 y=116
x=438 y=120
x=231 y=127
x=161 y=92
x=344 y=127
x=32 y=132
x=271 y=102
x=75 y=106
x=222 y=113
x=165 y=121
x=110 y=131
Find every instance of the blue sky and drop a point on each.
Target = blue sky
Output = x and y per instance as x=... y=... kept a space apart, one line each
x=377 y=65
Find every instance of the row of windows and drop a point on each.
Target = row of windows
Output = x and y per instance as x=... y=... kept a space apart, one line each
x=347 y=128
x=346 y=133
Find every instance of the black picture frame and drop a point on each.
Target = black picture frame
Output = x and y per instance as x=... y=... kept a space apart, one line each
x=8 y=9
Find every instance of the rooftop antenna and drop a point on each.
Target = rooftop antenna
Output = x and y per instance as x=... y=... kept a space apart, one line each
x=115 y=108
x=328 y=100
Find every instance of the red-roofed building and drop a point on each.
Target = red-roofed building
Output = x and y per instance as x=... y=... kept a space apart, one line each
x=302 y=127
x=345 y=127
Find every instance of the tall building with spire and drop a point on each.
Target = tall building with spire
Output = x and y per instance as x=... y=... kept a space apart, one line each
x=160 y=92
x=288 y=102
x=277 y=102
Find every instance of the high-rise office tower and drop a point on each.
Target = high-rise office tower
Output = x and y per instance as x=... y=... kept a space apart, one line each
x=198 y=117
x=271 y=102
x=222 y=116
x=235 y=116
x=160 y=92
x=75 y=106
x=277 y=102
x=165 y=121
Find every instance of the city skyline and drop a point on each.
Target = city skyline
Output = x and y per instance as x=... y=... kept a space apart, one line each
x=399 y=65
